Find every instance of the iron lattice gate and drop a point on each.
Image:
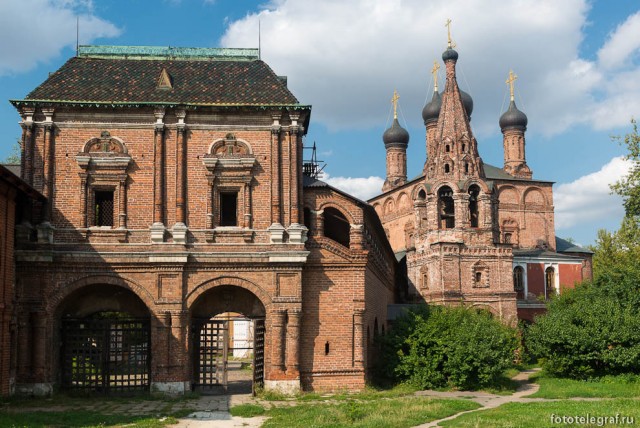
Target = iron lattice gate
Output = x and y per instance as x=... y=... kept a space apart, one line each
x=107 y=356
x=223 y=362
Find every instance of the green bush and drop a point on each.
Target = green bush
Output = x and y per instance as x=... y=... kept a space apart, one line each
x=444 y=346
x=593 y=330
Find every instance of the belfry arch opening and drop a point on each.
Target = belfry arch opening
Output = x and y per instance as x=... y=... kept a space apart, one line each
x=446 y=210
x=227 y=333
x=474 y=192
x=105 y=341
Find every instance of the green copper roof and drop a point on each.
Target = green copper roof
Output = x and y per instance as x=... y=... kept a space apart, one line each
x=167 y=52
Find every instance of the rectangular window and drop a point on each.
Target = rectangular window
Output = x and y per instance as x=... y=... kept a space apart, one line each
x=229 y=209
x=103 y=208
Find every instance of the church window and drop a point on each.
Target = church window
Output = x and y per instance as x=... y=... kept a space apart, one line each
x=336 y=226
x=326 y=348
x=466 y=168
x=474 y=191
x=446 y=208
x=103 y=208
x=478 y=279
x=228 y=208
x=425 y=280
x=518 y=282
x=464 y=146
x=447 y=168
x=550 y=280
x=447 y=148
x=422 y=195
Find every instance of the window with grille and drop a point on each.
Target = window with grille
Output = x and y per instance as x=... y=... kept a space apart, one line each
x=229 y=209
x=103 y=208
x=518 y=281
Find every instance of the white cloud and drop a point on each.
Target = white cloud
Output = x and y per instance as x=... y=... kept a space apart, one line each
x=360 y=187
x=622 y=43
x=346 y=58
x=35 y=31
x=589 y=198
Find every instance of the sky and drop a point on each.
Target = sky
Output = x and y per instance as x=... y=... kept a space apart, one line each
x=577 y=62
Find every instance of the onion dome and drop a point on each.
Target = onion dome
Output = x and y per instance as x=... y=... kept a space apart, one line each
x=513 y=118
x=450 y=54
x=467 y=102
x=396 y=136
x=431 y=110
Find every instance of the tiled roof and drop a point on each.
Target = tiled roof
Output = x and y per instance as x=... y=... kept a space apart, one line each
x=195 y=82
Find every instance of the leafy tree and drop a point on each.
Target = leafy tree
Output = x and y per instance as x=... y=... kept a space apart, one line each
x=14 y=155
x=629 y=186
x=448 y=347
x=592 y=330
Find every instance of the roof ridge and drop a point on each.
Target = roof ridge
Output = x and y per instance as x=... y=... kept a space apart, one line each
x=167 y=52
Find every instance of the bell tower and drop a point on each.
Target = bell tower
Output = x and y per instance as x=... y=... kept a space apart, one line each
x=513 y=124
x=396 y=140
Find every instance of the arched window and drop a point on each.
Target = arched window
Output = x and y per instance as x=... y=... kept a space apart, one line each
x=518 y=282
x=447 y=169
x=474 y=191
x=446 y=208
x=464 y=146
x=447 y=148
x=336 y=226
x=550 y=280
x=422 y=195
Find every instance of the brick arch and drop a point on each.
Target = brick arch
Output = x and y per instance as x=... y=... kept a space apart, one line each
x=534 y=196
x=220 y=141
x=116 y=140
x=378 y=208
x=403 y=201
x=389 y=205
x=480 y=183
x=67 y=289
x=257 y=291
x=416 y=189
x=331 y=204
x=509 y=195
x=439 y=184
x=495 y=312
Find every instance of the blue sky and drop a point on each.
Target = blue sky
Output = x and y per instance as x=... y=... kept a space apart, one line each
x=577 y=61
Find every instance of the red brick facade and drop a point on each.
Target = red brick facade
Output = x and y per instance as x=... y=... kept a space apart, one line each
x=471 y=232
x=207 y=218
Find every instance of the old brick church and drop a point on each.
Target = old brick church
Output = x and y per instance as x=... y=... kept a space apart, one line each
x=174 y=192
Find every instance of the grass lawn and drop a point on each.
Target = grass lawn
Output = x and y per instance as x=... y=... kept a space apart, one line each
x=80 y=418
x=623 y=386
x=382 y=413
x=537 y=415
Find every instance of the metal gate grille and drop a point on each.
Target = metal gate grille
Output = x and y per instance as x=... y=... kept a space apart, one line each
x=223 y=362
x=105 y=355
x=258 y=355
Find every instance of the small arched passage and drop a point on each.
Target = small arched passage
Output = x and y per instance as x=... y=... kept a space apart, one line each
x=105 y=339
x=228 y=330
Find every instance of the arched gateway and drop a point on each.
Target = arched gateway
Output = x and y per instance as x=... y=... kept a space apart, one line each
x=227 y=346
x=105 y=340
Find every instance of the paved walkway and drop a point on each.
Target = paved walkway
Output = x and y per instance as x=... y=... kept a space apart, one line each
x=487 y=401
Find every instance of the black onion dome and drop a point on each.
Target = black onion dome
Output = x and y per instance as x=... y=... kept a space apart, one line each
x=396 y=135
x=513 y=118
x=467 y=102
x=450 y=54
x=431 y=110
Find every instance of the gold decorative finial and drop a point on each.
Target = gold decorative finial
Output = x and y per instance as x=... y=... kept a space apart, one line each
x=512 y=78
x=434 y=71
x=394 y=101
x=450 y=43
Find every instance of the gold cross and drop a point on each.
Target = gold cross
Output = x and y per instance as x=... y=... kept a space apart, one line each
x=512 y=78
x=448 y=25
x=394 y=100
x=434 y=71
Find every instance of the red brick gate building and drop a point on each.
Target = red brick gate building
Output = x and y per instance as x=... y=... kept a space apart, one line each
x=175 y=193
